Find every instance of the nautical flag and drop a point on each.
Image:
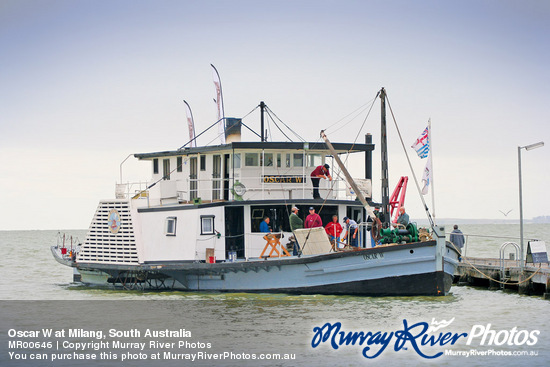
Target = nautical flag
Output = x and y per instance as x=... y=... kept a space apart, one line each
x=427 y=175
x=219 y=103
x=422 y=144
x=190 y=125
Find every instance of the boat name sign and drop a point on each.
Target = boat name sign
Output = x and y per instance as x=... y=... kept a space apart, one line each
x=282 y=179
x=375 y=256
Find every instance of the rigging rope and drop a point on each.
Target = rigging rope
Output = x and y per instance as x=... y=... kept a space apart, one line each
x=410 y=166
x=362 y=109
x=282 y=132
x=281 y=121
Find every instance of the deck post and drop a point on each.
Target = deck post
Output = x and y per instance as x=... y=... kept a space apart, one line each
x=523 y=288
x=439 y=232
x=493 y=286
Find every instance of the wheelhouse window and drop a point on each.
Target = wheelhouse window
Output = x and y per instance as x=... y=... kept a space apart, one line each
x=166 y=169
x=203 y=163
x=298 y=160
x=207 y=224
x=170 y=226
x=251 y=159
x=155 y=166
x=268 y=159
x=237 y=160
x=180 y=164
x=279 y=160
x=314 y=160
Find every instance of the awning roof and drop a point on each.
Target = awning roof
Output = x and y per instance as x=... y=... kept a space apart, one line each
x=341 y=148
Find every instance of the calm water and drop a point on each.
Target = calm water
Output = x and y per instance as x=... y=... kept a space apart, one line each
x=283 y=323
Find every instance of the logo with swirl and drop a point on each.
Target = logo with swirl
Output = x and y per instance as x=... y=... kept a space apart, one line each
x=114 y=221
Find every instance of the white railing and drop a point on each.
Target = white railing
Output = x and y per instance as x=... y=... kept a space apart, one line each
x=130 y=190
x=257 y=189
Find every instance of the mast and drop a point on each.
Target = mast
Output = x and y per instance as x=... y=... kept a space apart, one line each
x=384 y=157
x=358 y=192
x=431 y=166
x=368 y=158
x=262 y=107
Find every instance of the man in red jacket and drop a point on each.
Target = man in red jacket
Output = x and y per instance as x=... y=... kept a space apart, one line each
x=313 y=219
x=334 y=229
x=317 y=174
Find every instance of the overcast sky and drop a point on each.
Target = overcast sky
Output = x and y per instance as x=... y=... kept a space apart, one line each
x=83 y=84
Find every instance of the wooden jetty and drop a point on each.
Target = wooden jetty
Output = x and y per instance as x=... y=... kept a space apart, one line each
x=504 y=274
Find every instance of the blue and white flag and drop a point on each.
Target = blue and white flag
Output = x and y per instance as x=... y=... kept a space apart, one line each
x=422 y=144
x=427 y=175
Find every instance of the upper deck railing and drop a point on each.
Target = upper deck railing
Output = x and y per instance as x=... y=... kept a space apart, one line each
x=192 y=191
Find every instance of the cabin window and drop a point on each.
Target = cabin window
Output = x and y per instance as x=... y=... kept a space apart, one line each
x=207 y=224
x=155 y=166
x=203 y=163
x=279 y=160
x=268 y=159
x=314 y=160
x=257 y=213
x=298 y=160
x=237 y=160
x=251 y=159
x=279 y=219
x=170 y=226
x=287 y=163
x=180 y=164
x=166 y=169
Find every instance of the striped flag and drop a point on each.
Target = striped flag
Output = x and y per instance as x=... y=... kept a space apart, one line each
x=422 y=144
x=219 y=103
x=190 y=125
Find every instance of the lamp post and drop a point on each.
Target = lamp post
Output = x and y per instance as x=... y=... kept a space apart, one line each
x=526 y=147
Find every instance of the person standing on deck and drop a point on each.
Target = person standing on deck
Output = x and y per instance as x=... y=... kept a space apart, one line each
x=317 y=174
x=313 y=219
x=295 y=223
x=351 y=232
x=457 y=237
x=334 y=230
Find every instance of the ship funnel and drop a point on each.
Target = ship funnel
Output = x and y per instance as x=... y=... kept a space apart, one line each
x=232 y=130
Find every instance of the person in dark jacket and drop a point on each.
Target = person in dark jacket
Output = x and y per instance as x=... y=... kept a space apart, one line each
x=457 y=237
x=295 y=223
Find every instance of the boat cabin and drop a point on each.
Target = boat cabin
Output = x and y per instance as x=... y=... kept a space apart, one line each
x=209 y=201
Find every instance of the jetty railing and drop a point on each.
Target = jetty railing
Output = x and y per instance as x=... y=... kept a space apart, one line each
x=468 y=235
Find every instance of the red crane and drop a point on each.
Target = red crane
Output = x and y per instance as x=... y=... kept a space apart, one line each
x=394 y=202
